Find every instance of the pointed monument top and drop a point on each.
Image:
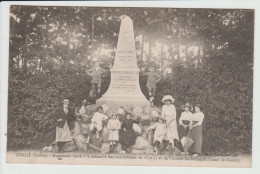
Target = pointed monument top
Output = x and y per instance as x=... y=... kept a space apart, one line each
x=126 y=54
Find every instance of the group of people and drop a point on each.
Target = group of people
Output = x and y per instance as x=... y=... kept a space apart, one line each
x=165 y=130
x=122 y=132
x=118 y=132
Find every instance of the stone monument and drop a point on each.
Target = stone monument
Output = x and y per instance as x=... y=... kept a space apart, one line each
x=124 y=88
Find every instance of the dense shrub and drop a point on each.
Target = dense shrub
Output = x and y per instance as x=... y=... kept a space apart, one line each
x=32 y=101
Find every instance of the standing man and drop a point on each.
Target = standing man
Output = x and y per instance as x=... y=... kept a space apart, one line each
x=96 y=73
x=153 y=78
x=65 y=122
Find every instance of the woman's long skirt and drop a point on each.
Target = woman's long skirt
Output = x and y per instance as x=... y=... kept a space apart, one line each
x=127 y=138
x=171 y=131
x=196 y=136
x=63 y=134
x=183 y=132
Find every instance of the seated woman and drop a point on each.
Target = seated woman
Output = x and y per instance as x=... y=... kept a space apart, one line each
x=127 y=135
x=196 y=131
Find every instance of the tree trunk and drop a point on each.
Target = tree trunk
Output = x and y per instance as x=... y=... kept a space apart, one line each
x=198 y=53
x=162 y=59
x=150 y=54
x=92 y=36
x=18 y=61
x=178 y=49
x=99 y=51
x=22 y=61
x=44 y=54
x=103 y=40
x=69 y=51
x=135 y=27
x=86 y=55
x=142 y=51
x=86 y=51
x=187 y=53
x=25 y=49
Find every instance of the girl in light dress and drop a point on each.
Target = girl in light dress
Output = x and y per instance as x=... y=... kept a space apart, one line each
x=159 y=133
x=196 y=131
x=169 y=113
x=113 y=126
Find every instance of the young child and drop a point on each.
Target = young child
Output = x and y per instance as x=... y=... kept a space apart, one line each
x=159 y=134
x=127 y=134
x=113 y=126
x=97 y=121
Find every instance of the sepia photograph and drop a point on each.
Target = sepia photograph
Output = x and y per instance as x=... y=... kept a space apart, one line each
x=131 y=86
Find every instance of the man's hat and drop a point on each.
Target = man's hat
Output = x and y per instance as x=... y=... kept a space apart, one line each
x=66 y=101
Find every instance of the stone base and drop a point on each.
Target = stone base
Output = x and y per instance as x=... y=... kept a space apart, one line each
x=123 y=101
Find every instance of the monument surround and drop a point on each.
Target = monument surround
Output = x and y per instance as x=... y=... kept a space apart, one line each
x=124 y=88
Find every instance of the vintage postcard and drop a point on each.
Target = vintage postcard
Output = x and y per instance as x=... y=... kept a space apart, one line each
x=133 y=86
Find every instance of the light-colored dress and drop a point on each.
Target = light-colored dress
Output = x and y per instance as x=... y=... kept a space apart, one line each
x=113 y=126
x=160 y=131
x=196 y=132
x=97 y=121
x=63 y=134
x=169 y=113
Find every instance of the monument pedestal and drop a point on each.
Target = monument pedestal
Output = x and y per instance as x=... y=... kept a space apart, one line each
x=124 y=88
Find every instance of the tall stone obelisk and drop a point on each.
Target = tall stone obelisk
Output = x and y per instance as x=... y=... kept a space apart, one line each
x=124 y=88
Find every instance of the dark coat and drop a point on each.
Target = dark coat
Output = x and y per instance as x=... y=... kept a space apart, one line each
x=69 y=117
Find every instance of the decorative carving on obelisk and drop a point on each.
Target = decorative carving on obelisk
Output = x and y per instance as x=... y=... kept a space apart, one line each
x=124 y=88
